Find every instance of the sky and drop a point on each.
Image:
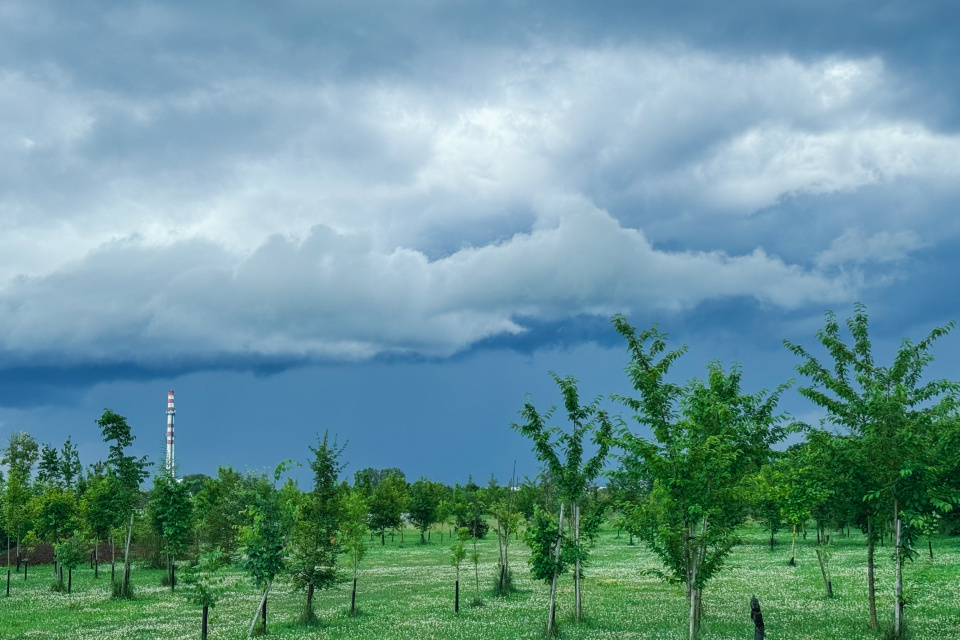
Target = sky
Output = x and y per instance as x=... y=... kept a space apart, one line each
x=392 y=220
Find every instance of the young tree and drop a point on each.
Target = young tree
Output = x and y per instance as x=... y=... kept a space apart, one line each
x=70 y=468
x=171 y=514
x=572 y=475
x=893 y=418
x=766 y=493
x=223 y=506
x=387 y=504
x=205 y=586
x=353 y=530
x=19 y=454
x=49 y=469
x=53 y=516
x=265 y=539
x=423 y=504
x=70 y=554
x=315 y=545
x=457 y=554
x=98 y=512
x=508 y=522
x=708 y=438
x=800 y=494
x=125 y=473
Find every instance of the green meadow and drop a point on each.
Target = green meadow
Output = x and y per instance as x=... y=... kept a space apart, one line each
x=406 y=591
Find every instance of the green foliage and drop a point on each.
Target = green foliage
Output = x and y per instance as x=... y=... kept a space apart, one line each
x=423 y=507
x=263 y=541
x=53 y=514
x=541 y=536
x=70 y=468
x=387 y=504
x=353 y=527
x=224 y=505
x=19 y=455
x=709 y=440
x=98 y=507
x=128 y=471
x=171 y=512
x=72 y=552
x=205 y=586
x=49 y=470
x=458 y=552
x=315 y=546
x=468 y=507
x=896 y=420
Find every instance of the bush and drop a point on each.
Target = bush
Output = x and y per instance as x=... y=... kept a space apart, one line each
x=508 y=586
x=121 y=592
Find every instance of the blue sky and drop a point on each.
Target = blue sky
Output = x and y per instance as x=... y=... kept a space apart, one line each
x=392 y=219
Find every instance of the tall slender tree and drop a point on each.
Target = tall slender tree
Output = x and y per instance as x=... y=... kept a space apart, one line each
x=353 y=528
x=708 y=439
x=892 y=415
x=572 y=474
x=315 y=544
x=171 y=513
x=125 y=474
x=19 y=454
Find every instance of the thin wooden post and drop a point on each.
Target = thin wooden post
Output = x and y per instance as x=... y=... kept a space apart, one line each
x=353 y=596
x=456 y=597
x=757 y=618
x=256 y=615
x=552 y=616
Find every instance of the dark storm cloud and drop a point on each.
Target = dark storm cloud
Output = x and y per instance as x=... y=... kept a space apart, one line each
x=183 y=185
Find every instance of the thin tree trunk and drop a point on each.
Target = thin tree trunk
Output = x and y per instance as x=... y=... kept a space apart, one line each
x=930 y=547
x=793 y=548
x=576 y=570
x=310 y=599
x=898 y=585
x=69 y=580
x=353 y=596
x=871 y=587
x=552 y=617
x=823 y=572
x=691 y=581
x=126 y=556
x=203 y=623
x=260 y=607
x=456 y=596
x=96 y=560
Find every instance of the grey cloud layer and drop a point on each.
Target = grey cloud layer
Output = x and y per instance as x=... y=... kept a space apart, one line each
x=185 y=191
x=334 y=296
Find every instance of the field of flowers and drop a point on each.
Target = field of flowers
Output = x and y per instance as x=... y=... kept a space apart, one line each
x=406 y=591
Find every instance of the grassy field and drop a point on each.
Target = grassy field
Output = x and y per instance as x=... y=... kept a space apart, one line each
x=407 y=592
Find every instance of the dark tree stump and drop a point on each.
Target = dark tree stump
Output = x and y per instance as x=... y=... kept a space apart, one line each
x=757 y=617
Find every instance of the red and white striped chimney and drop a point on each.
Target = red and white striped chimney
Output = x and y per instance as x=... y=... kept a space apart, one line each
x=170 y=413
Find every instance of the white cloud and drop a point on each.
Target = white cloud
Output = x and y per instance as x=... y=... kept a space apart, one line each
x=764 y=165
x=435 y=208
x=337 y=296
x=852 y=247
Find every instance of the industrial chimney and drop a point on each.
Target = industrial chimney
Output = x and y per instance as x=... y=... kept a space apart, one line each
x=170 y=413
